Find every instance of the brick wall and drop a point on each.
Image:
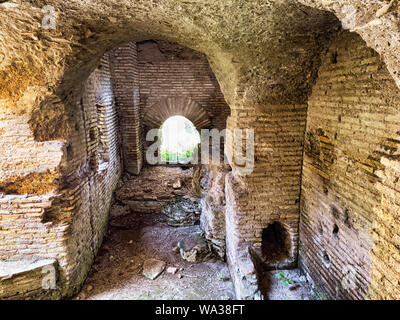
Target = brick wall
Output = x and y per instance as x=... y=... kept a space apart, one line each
x=26 y=165
x=125 y=73
x=352 y=115
x=385 y=253
x=272 y=192
x=183 y=78
x=273 y=189
x=68 y=223
x=171 y=71
x=94 y=175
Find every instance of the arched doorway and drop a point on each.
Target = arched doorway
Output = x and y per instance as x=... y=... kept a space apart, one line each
x=179 y=140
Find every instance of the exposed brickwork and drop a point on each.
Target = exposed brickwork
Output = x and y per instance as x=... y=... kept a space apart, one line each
x=352 y=111
x=385 y=254
x=272 y=192
x=89 y=200
x=164 y=73
x=26 y=165
x=156 y=115
x=125 y=72
x=68 y=224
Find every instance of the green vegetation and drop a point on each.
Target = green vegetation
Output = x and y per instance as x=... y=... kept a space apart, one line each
x=284 y=280
x=184 y=156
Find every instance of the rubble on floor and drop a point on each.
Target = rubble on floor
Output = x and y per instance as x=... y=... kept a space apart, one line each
x=183 y=212
x=152 y=268
x=144 y=237
x=152 y=190
x=194 y=248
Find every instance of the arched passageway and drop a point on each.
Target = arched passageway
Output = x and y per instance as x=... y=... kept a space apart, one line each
x=179 y=140
x=58 y=173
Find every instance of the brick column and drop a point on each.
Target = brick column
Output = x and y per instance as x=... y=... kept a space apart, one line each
x=126 y=90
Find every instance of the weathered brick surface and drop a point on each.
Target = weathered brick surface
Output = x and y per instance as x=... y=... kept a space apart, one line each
x=125 y=71
x=385 y=254
x=353 y=110
x=89 y=200
x=28 y=280
x=167 y=75
x=212 y=219
x=272 y=192
x=68 y=224
x=26 y=165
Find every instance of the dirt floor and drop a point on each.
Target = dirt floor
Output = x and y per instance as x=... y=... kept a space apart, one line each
x=117 y=271
x=131 y=239
x=134 y=237
x=286 y=285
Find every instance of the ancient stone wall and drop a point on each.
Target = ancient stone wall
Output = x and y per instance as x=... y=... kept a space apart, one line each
x=92 y=182
x=68 y=223
x=125 y=71
x=352 y=115
x=168 y=70
x=212 y=219
x=385 y=250
x=272 y=191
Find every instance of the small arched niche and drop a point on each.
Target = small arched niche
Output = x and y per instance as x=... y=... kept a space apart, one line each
x=275 y=246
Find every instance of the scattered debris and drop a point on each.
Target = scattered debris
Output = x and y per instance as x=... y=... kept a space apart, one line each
x=194 y=248
x=172 y=270
x=294 y=286
x=183 y=212
x=177 y=184
x=152 y=268
x=122 y=278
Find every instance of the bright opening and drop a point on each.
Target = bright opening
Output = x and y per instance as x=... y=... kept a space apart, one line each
x=179 y=139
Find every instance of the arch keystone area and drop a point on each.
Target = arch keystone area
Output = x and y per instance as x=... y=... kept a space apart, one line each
x=155 y=115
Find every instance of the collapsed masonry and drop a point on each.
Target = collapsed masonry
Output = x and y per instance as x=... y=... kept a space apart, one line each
x=76 y=102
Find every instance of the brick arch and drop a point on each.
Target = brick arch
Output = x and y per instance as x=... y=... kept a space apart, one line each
x=156 y=114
